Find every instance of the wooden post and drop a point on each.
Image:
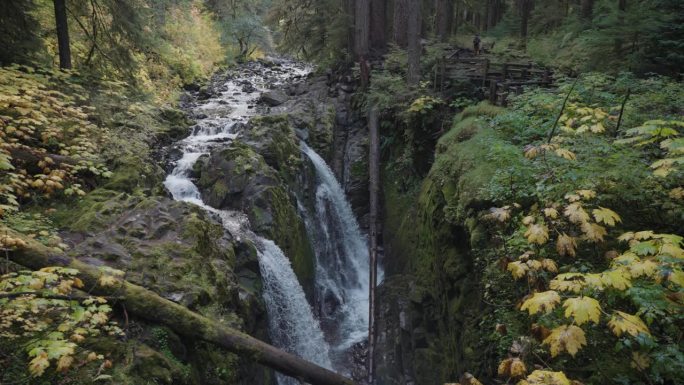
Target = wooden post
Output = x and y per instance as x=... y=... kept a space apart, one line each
x=374 y=176
x=504 y=96
x=492 y=91
x=443 y=69
x=505 y=72
x=547 y=76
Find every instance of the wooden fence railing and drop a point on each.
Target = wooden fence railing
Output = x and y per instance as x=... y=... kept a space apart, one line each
x=496 y=79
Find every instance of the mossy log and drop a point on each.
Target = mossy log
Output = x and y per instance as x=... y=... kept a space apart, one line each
x=147 y=305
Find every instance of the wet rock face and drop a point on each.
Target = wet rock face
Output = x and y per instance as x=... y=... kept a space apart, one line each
x=238 y=178
x=350 y=161
x=170 y=247
x=403 y=354
x=274 y=98
x=183 y=254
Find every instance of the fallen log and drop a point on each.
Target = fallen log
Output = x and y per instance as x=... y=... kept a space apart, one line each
x=150 y=306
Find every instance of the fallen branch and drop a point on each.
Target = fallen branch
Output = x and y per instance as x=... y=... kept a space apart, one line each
x=555 y=124
x=150 y=306
x=52 y=296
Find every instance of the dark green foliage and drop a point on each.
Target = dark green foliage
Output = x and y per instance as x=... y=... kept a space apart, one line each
x=18 y=32
x=318 y=30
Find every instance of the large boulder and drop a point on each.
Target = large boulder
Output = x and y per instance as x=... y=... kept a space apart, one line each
x=238 y=178
x=183 y=254
x=274 y=98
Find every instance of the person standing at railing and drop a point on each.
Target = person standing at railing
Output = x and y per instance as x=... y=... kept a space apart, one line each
x=476 y=44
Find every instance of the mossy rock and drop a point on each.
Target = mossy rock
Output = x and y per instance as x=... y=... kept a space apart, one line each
x=431 y=232
x=274 y=138
x=238 y=178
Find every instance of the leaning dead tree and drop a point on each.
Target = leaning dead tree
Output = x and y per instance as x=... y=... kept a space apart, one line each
x=374 y=176
x=149 y=306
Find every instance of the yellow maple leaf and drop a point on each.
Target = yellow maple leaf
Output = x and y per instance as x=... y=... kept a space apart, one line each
x=643 y=235
x=568 y=338
x=549 y=265
x=582 y=309
x=99 y=318
x=626 y=237
x=573 y=282
x=108 y=280
x=541 y=302
x=534 y=264
x=545 y=377
x=677 y=193
x=38 y=364
x=550 y=212
x=676 y=276
x=572 y=197
x=597 y=128
x=672 y=250
x=64 y=363
x=586 y=194
x=529 y=219
x=625 y=259
x=576 y=213
x=594 y=232
x=566 y=154
x=518 y=269
x=617 y=278
x=537 y=233
x=594 y=280
x=640 y=361
x=512 y=367
x=566 y=245
x=501 y=214
x=642 y=268
x=532 y=152
x=607 y=216
x=621 y=323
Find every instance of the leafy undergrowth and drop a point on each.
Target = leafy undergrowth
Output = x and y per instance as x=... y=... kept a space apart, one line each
x=588 y=223
x=63 y=134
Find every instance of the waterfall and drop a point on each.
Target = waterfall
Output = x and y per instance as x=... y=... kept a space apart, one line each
x=292 y=325
x=342 y=270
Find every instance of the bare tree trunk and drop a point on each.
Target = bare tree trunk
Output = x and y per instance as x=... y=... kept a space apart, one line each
x=444 y=17
x=148 y=305
x=413 y=31
x=62 y=34
x=400 y=23
x=525 y=10
x=622 y=7
x=587 y=10
x=378 y=24
x=361 y=28
x=374 y=176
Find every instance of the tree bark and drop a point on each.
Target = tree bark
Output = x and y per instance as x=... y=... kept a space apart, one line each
x=62 y=34
x=374 y=181
x=361 y=28
x=148 y=305
x=586 y=10
x=414 y=49
x=525 y=11
x=378 y=24
x=622 y=7
x=444 y=17
x=400 y=23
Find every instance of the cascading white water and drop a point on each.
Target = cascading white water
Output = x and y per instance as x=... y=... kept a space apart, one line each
x=293 y=326
x=291 y=321
x=342 y=275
